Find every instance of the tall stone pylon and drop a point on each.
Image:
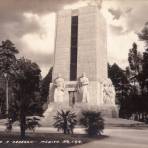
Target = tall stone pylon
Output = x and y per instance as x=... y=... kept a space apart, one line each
x=80 y=61
x=81 y=47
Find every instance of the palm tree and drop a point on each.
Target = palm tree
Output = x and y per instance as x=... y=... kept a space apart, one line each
x=65 y=121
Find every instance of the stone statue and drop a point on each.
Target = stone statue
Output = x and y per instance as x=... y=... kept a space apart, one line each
x=109 y=93
x=59 y=89
x=82 y=88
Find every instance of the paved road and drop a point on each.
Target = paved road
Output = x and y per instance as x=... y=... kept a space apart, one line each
x=116 y=138
x=120 y=138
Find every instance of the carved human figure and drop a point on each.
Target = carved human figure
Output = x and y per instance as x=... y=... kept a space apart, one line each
x=108 y=93
x=59 y=89
x=82 y=88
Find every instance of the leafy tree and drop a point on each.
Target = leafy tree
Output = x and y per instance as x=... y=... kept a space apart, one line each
x=65 y=121
x=137 y=73
x=135 y=60
x=7 y=56
x=120 y=81
x=2 y=100
x=45 y=86
x=143 y=35
x=122 y=87
x=135 y=67
x=145 y=71
x=27 y=76
x=93 y=122
x=7 y=61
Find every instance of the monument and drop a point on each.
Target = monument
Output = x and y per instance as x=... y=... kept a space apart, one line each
x=80 y=77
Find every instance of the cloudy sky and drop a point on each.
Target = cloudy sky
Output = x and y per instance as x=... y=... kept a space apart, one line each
x=30 y=24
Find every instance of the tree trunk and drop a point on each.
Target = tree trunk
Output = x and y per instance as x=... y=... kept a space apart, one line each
x=23 y=123
x=65 y=131
x=22 y=114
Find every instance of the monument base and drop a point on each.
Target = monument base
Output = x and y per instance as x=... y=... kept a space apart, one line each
x=110 y=111
x=99 y=98
x=48 y=119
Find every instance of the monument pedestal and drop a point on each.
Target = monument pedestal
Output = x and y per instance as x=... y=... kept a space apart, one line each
x=80 y=51
x=96 y=94
x=110 y=111
x=48 y=116
x=48 y=119
x=73 y=102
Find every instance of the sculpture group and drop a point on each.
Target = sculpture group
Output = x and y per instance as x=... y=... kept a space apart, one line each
x=109 y=93
x=82 y=90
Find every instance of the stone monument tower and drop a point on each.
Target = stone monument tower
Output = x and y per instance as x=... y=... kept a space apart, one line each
x=80 y=61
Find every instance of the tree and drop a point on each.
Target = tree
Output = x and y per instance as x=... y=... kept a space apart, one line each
x=65 y=121
x=45 y=83
x=143 y=35
x=2 y=101
x=7 y=56
x=27 y=77
x=137 y=72
x=119 y=79
x=135 y=66
x=93 y=122
x=145 y=71
x=7 y=60
x=135 y=60
x=122 y=87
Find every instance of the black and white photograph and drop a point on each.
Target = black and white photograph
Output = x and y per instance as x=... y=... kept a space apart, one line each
x=73 y=73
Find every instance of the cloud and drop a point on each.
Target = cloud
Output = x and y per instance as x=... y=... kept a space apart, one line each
x=129 y=14
x=94 y=2
x=33 y=6
x=12 y=7
x=12 y=14
x=129 y=10
x=117 y=30
x=30 y=25
x=116 y=13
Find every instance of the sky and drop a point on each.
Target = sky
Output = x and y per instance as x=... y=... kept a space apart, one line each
x=30 y=25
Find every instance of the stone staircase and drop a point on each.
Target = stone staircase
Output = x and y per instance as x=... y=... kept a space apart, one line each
x=48 y=119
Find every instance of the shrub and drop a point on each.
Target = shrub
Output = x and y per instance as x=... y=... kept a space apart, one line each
x=65 y=121
x=9 y=125
x=93 y=122
x=32 y=123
